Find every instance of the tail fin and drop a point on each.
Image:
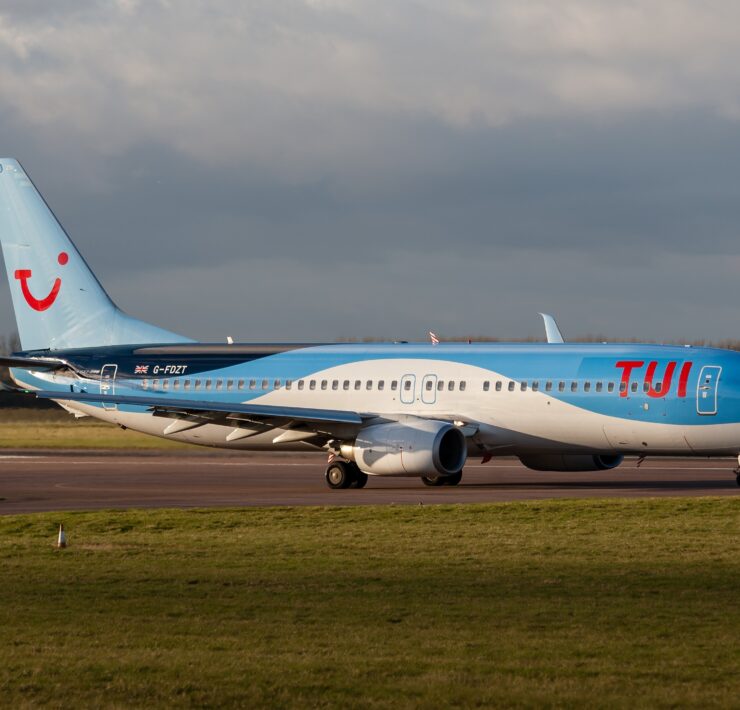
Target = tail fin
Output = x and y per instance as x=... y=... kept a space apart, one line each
x=57 y=300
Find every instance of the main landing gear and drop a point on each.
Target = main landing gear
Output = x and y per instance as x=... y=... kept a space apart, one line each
x=737 y=471
x=344 y=474
x=438 y=480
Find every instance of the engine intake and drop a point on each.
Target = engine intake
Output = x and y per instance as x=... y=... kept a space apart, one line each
x=572 y=462
x=420 y=447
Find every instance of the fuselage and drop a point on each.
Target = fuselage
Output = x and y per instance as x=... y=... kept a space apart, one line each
x=521 y=398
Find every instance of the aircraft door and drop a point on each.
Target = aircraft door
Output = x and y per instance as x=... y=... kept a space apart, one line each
x=108 y=384
x=408 y=389
x=706 y=389
x=429 y=389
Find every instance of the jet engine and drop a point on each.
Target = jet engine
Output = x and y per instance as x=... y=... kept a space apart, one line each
x=420 y=447
x=572 y=462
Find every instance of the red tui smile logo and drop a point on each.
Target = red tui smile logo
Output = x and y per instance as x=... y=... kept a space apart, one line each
x=41 y=304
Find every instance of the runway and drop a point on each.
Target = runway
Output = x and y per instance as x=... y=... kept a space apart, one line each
x=77 y=480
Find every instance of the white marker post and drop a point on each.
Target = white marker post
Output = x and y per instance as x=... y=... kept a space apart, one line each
x=62 y=539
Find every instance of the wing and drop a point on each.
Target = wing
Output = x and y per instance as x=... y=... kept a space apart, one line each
x=249 y=419
x=551 y=329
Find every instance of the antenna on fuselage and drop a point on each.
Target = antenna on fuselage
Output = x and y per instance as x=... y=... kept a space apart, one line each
x=551 y=329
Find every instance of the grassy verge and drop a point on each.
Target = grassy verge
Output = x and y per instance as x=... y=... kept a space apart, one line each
x=57 y=429
x=567 y=603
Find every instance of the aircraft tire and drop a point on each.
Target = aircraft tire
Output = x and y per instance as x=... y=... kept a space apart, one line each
x=737 y=479
x=436 y=480
x=452 y=480
x=339 y=475
x=360 y=480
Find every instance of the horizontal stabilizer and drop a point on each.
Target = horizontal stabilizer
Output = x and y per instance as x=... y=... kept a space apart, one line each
x=36 y=364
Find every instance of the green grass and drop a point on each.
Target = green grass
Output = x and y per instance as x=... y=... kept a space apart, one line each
x=555 y=604
x=57 y=429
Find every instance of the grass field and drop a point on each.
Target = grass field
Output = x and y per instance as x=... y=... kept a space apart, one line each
x=556 y=604
x=57 y=429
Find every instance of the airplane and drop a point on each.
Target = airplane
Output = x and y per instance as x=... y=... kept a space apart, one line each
x=382 y=409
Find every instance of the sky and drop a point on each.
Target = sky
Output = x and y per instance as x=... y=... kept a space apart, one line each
x=332 y=169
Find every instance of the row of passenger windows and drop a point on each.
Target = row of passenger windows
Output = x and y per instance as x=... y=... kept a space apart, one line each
x=231 y=385
x=570 y=385
x=380 y=385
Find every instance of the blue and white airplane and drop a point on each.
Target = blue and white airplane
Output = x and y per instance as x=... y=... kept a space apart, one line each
x=391 y=409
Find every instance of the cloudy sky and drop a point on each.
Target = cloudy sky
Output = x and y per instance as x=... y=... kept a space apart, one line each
x=325 y=169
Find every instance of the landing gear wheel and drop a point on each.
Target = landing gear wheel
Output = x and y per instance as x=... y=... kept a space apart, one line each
x=452 y=480
x=339 y=475
x=737 y=479
x=360 y=479
x=436 y=480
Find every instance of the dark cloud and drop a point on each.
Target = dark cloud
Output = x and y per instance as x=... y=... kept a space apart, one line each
x=217 y=200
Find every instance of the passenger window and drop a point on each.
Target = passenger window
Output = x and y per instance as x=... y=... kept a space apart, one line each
x=369 y=385
x=586 y=386
x=574 y=386
x=219 y=384
x=335 y=384
x=440 y=385
x=645 y=387
x=462 y=385
x=622 y=386
x=381 y=384
x=324 y=383
x=145 y=384
x=175 y=384
x=278 y=384
x=186 y=384
x=610 y=387
x=634 y=386
x=407 y=385
x=428 y=386
x=561 y=386
x=486 y=386
x=241 y=384
x=548 y=386
x=598 y=386
x=394 y=385
x=265 y=384
x=345 y=385
x=523 y=386
x=197 y=384
x=535 y=386
x=288 y=384
x=451 y=385
x=165 y=384
x=498 y=386
x=312 y=385
x=512 y=385
x=358 y=384
x=300 y=384
x=229 y=384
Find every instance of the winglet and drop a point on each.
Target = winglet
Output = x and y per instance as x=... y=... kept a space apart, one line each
x=551 y=329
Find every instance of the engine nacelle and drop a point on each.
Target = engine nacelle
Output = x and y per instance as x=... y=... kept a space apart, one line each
x=572 y=462
x=419 y=447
